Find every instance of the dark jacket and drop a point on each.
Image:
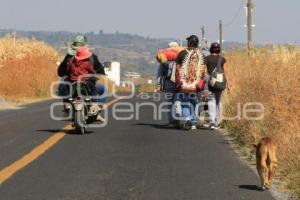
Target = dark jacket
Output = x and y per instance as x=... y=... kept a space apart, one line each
x=78 y=68
x=63 y=67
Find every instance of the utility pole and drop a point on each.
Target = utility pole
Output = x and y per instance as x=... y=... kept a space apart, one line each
x=203 y=33
x=250 y=7
x=221 y=34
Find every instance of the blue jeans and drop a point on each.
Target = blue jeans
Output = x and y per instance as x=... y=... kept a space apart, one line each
x=159 y=74
x=170 y=97
x=101 y=90
x=189 y=106
x=164 y=73
x=64 y=89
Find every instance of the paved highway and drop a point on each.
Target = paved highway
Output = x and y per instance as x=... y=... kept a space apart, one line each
x=133 y=159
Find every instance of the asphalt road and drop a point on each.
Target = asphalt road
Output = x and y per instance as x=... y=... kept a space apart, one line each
x=134 y=160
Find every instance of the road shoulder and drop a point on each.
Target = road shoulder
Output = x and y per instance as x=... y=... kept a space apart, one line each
x=246 y=155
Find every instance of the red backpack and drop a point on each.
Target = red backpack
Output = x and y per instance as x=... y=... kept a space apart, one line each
x=170 y=54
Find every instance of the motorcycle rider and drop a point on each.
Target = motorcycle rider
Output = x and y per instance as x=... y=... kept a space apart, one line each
x=79 y=68
x=63 y=89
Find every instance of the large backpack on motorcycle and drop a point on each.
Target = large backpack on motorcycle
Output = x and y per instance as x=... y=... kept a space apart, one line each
x=217 y=81
x=189 y=73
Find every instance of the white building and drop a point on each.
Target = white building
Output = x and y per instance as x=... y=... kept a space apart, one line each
x=132 y=75
x=113 y=72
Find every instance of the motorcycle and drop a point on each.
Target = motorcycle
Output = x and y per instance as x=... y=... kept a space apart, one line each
x=82 y=112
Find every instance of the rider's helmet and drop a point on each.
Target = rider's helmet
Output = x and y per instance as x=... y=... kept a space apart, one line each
x=193 y=41
x=78 y=41
x=215 y=48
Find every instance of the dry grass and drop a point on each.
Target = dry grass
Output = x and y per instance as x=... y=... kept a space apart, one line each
x=145 y=87
x=27 y=68
x=272 y=77
x=13 y=48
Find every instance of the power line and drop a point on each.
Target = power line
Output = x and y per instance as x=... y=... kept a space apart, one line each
x=236 y=15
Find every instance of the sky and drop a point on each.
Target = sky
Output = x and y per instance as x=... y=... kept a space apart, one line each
x=276 y=21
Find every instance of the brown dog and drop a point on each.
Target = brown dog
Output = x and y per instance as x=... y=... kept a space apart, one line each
x=266 y=161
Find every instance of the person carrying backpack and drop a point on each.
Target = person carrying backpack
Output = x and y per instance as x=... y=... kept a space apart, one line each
x=166 y=69
x=189 y=80
x=166 y=58
x=219 y=80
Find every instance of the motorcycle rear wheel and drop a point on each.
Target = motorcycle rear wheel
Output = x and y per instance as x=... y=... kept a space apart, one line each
x=79 y=122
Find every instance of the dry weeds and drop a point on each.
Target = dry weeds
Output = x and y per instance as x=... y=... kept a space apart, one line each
x=270 y=76
x=27 y=68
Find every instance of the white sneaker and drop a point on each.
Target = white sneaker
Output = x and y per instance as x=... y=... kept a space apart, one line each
x=217 y=126
x=212 y=127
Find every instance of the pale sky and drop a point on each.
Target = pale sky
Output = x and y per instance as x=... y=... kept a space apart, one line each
x=276 y=21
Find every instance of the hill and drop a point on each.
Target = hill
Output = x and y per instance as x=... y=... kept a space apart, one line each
x=136 y=53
